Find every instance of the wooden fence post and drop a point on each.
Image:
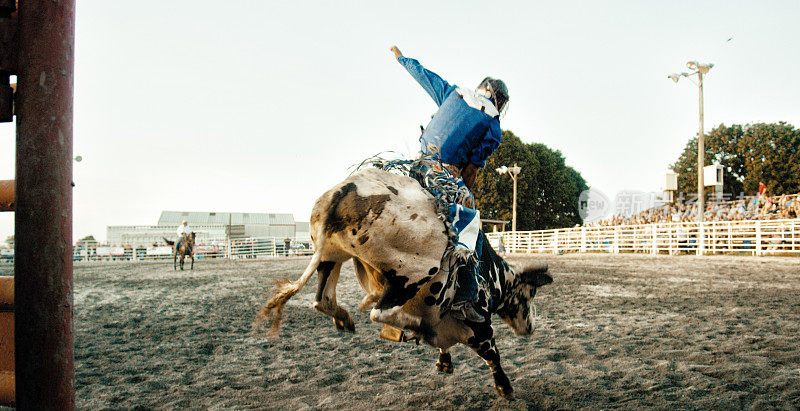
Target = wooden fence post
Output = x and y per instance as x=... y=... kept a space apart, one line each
x=583 y=239
x=757 y=250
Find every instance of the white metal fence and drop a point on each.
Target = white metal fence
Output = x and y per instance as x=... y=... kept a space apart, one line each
x=755 y=237
x=248 y=248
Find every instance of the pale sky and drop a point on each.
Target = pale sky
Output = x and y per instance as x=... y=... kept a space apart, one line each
x=261 y=106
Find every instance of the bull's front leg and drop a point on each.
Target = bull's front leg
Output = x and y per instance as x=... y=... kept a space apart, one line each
x=487 y=350
x=398 y=289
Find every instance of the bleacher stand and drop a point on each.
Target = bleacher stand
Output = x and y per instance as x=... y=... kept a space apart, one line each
x=762 y=207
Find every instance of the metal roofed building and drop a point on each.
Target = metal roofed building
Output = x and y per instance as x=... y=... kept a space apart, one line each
x=145 y=235
x=210 y=226
x=255 y=224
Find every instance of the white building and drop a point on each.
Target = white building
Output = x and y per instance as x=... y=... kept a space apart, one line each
x=209 y=227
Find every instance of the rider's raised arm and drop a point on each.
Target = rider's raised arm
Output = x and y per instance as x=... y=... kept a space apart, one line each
x=436 y=86
x=487 y=145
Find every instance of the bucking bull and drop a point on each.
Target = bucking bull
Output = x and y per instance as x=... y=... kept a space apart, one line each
x=388 y=225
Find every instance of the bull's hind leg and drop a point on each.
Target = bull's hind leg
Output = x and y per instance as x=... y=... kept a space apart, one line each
x=325 y=301
x=445 y=363
x=367 y=277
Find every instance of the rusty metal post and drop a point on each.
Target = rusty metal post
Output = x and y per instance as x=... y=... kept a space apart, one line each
x=43 y=215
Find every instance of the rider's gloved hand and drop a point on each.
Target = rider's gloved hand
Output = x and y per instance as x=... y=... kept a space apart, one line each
x=396 y=52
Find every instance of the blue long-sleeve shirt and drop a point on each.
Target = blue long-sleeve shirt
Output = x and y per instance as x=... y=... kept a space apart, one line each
x=465 y=129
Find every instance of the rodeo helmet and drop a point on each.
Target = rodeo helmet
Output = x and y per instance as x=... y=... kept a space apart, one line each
x=498 y=92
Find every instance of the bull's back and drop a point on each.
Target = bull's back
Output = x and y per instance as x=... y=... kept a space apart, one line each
x=374 y=212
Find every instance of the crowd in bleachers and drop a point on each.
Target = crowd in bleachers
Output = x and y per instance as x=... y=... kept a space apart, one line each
x=761 y=207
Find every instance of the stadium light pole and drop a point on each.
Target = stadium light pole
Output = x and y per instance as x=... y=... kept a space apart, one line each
x=513 y=172
x=698 y=69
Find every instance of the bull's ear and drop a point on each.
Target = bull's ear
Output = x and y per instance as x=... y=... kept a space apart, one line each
x=536 y=276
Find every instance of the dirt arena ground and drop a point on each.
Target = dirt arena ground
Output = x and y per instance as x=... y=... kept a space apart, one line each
x=613 y=331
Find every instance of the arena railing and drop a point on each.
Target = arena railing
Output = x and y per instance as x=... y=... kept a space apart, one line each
x=749 y=237
x=247 y=248
x=753 y=237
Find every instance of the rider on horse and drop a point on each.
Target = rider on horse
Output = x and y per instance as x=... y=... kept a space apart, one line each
x=460 y=136
x=182 y=231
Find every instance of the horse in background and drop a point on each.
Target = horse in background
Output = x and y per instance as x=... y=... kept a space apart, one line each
x=184 y=248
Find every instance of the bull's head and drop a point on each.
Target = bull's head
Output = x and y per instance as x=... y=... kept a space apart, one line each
x=516 y=307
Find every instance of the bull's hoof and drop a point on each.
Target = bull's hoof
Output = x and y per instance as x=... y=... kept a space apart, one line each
x=446 y=368
x=347 y=325
x=506 y=392
x=395 y=317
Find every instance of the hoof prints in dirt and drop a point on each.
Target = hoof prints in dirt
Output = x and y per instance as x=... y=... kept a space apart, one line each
x=612 y=331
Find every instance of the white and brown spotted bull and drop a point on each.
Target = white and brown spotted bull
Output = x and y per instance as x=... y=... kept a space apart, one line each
x=389 y=226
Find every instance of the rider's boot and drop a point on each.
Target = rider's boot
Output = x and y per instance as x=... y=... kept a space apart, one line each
x=465 y=311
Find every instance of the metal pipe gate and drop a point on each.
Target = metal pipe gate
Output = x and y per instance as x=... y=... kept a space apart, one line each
x=38 y=46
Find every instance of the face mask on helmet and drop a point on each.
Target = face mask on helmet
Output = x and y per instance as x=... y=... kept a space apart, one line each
x=496 y=91
x=484 y=92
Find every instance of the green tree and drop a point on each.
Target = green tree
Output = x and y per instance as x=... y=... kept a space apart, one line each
x=749 y=154
x=773 y=157
x=559 y=186
x=547 y=189
x=493 y=191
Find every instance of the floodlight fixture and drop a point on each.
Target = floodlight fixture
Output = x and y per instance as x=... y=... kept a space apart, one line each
x=698 y=69
x=513 y=172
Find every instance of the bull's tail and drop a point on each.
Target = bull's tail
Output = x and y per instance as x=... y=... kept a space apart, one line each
x=283 y=291
x=168 y=241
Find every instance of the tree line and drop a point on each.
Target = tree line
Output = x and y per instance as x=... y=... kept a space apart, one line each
x=547 y=189
x=750 y=154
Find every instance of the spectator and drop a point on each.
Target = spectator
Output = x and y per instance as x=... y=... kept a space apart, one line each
x=759 y=207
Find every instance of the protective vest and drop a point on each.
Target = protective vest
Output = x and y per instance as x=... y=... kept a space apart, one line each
x=457 y=131
x=466 y=129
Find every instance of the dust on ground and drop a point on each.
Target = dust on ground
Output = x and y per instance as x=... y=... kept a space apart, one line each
x=613 y=331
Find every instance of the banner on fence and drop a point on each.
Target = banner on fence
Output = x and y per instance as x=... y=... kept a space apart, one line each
x=206 y=249
x=110 y=251
x=159 y=250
